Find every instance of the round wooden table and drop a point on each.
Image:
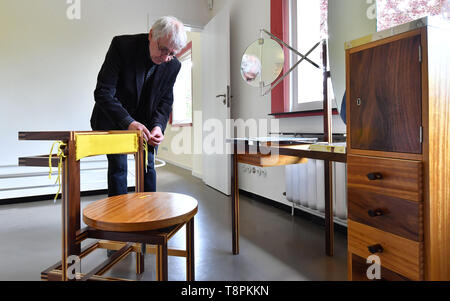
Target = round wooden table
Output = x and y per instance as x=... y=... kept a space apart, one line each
x=140 y=211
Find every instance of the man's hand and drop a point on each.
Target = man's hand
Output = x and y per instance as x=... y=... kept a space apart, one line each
x=137 y=126
x=156 y=136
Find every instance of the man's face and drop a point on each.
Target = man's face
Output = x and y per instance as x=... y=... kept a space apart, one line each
x=249 y=76
x=161 y=50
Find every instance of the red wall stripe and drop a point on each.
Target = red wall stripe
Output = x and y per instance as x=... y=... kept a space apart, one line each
x=279 y=26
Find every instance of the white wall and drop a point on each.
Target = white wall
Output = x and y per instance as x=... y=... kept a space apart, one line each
x=49 y=64
x=247 y=18
x=189 y=160
x=347 y=20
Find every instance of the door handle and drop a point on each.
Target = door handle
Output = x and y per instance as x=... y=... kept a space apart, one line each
x=228 y=96
x=373 y=176
x=375 y=213
x=375 y=249
x=224 y=98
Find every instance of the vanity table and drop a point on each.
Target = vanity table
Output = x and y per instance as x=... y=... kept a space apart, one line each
x=263 y=152
x=275 y=154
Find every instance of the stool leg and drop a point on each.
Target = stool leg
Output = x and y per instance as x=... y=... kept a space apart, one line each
x=161 y=262
x=190 y=259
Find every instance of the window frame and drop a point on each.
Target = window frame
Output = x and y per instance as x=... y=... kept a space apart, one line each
x=187 y=48
x=281 y=95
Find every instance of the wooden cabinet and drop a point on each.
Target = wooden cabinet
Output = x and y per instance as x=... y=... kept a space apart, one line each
x=398 y=112
x=385 y=108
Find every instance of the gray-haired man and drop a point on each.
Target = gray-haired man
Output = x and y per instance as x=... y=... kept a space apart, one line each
x=135 y=92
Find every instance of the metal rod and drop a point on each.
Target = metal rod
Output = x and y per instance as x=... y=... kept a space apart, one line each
x=290 y=70
x=294 y=50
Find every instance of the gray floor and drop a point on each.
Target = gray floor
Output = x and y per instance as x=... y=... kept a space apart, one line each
x=273 y=244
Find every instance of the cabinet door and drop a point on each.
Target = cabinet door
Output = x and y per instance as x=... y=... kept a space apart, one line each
x=385 y=104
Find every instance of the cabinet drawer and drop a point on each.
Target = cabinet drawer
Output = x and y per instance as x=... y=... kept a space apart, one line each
x=398 y=254
x=390 y=214
x=269 y=160
x=359 y=268
x=396 y=178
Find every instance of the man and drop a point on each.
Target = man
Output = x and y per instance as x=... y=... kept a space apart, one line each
x=250 y=67
x=135 y=92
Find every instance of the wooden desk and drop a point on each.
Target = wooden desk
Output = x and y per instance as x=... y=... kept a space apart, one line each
x=287 y=154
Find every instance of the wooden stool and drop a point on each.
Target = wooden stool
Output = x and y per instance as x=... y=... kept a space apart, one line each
x=127 y=222
x=147 y=218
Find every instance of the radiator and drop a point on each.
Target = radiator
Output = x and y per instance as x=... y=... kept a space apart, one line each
x=305 y=188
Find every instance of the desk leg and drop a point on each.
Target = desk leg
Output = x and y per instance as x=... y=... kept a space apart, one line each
x=329 y=223
x=190 y=258
x=235 y=201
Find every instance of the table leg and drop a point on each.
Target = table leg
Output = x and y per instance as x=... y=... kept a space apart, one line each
x=235 y=201
x=190 y=258
x=329 y=223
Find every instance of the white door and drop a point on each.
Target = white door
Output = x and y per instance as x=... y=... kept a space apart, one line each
x=216 y=102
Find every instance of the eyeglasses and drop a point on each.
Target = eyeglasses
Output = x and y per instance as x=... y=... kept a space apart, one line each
x=165 y=51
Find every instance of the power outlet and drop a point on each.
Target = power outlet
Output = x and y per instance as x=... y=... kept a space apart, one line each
x=253 y=170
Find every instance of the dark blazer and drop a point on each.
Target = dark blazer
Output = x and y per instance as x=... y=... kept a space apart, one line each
x=119 y=86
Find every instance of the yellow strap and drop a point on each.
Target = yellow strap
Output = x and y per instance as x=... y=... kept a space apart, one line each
x=60 y=155
x=92 y=145
x=105 y=144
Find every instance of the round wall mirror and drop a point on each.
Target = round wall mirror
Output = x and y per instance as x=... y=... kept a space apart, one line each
x=262 y=62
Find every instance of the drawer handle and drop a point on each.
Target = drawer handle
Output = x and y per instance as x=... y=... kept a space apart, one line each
x=374 y=176
x=375 y=249
x=375 y=213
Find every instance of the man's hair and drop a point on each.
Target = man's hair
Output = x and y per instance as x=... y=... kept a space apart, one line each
x=170 y=26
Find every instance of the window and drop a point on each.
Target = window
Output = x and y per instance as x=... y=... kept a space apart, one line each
x=299 y=93
x=182 y=90
x=300 y=23
x=391 y=13
x=308 y=25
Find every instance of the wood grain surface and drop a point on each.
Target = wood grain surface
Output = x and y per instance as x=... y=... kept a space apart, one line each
x=140 y=211
x=269 y=160
x=400 y=178
x=437 y=162
x=399 y=255
x=398 y=216
x=387 y=80
x=359 y=271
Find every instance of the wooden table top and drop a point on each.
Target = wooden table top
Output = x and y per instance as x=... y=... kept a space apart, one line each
x=140 y=211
